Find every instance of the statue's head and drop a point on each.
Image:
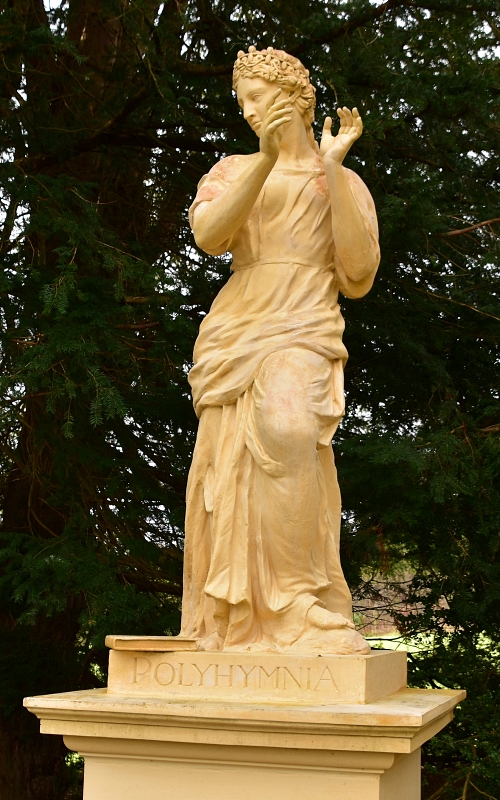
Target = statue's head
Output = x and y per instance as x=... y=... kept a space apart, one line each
x=284 y=72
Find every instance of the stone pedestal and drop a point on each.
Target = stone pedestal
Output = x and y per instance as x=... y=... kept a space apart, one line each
x=220 y=726
x=257 y=677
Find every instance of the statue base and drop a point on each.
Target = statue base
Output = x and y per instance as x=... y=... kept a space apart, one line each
x=280 y=737
x=137 y=748
x=242 y=726
x=256 y=677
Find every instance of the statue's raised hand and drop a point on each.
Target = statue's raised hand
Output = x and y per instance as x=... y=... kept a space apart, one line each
x=270 y=129
x=335 y=148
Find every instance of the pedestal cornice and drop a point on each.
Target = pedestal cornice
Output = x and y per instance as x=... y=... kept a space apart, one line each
x=399 y=723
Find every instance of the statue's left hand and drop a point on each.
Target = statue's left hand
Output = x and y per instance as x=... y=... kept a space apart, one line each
x=335 y=148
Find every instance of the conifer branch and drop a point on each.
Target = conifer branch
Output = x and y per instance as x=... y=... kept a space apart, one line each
x=140 y=299
x=139 y=327
x=457 y=302
x=390 y=5
x=43 y=162
x=202 y=70
x=352 y=24
x=479 y=791
x=335 y=33
x=471 y=227
x=491 y=428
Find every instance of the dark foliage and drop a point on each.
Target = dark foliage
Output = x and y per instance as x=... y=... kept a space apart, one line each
x=110 y=113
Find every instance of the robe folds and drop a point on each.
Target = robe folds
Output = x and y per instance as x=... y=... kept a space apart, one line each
x=263 y=503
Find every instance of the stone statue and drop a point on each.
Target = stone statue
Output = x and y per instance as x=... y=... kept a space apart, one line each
x=262 y=568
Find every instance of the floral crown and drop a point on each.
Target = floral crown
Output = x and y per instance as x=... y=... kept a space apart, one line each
x=275 y=65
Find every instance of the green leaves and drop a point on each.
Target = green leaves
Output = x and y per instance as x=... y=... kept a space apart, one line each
x=107 y=402
x=108 y=121
x=56 y=296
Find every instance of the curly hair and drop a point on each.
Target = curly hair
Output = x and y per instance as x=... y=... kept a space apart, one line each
x=288 y=72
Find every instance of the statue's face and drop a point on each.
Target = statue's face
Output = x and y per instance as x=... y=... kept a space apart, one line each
x=254 y=96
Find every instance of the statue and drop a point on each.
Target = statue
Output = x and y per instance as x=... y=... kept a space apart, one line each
x=262 y=568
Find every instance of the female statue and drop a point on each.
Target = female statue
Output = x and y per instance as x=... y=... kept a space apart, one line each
x=262 y=568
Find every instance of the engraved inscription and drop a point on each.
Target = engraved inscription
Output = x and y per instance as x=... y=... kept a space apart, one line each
x=288 y=675
x=247 y=673
x=326 y=676
x=224 y=675
x=202 y=672
x=194 y=674
x=275 y=672
x=181 y=676
x=164 y=674
x=142 y=666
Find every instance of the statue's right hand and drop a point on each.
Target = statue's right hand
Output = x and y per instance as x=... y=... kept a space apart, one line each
x=270 y=130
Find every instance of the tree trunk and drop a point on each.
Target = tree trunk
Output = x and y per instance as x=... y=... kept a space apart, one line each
x=36 y=658
x=32 y=766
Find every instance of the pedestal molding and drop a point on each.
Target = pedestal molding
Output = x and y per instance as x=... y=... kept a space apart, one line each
x=329 y=727
x=256 y=757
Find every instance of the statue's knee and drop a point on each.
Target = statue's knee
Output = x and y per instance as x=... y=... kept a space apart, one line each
x=285 y=437
x=283 y=415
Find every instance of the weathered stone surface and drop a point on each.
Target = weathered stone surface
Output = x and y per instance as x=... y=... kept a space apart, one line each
x=139 y=748
x=258 y=676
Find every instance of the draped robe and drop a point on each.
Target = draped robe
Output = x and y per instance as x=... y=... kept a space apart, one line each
x=279 y=307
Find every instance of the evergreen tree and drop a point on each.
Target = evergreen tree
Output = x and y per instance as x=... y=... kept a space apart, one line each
x=110 y=113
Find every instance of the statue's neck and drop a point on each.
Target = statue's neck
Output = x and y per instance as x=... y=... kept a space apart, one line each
x=295 y=146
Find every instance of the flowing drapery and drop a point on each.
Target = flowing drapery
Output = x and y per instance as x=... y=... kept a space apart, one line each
x=275 y=324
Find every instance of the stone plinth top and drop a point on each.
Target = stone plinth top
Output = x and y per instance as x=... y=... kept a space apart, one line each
x=399 y=723
x=407 y=708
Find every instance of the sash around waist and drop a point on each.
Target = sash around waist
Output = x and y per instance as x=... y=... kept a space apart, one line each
x=289 y=262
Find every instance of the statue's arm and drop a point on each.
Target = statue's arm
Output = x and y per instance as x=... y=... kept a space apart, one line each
x=357 y=264
x=215 y=222
x=351 y=234
x=355 y=234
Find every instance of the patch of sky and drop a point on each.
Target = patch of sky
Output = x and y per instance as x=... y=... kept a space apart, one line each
x=479 y=158
x=158 y=13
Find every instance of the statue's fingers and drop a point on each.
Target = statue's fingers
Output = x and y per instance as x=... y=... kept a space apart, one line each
x=273 y=99
x=273 y=126
x=357 y=121
x=278 y=114
x=279 y=104
x=327 y=125
x=343 y=120
x=348 y=120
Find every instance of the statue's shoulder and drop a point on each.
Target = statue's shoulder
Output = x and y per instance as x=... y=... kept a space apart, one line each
x=228 y=168
x=355 y=181
x=360 y=190
x=219 y=177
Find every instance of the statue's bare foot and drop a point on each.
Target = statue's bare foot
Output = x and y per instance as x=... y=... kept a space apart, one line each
x=210 y=643
x=327 y=620
x=346 y=642
x=331 y=633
